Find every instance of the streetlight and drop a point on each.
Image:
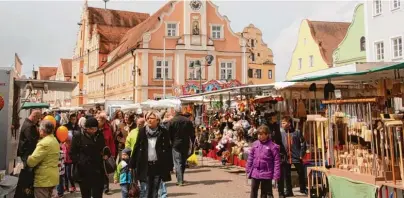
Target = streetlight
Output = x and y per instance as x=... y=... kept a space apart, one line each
x=197 y=64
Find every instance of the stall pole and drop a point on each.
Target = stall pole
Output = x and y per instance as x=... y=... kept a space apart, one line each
x=372 y=144
x=331 y=140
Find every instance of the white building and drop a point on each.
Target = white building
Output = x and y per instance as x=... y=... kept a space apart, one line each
x=384 y=26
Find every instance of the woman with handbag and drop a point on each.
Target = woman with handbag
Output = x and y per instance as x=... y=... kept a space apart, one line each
x=152 y=157
x=109 y=142
x=86 y=153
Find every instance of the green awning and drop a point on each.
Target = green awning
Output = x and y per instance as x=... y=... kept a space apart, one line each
x=33 y=105
x=371 y=74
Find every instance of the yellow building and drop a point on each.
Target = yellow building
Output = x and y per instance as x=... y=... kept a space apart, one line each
x=261 y=68
x=316 y=42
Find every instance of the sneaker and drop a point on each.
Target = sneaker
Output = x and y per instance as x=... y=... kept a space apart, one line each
x=288 y=194
x=180 y=183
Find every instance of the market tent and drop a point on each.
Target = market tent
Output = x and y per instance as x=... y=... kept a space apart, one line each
x=32 y=105
x=392 y=71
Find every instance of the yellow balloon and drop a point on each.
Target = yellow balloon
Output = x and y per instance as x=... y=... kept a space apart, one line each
x=51 y=119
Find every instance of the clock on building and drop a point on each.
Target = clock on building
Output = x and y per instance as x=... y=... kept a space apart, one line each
x=196 y=4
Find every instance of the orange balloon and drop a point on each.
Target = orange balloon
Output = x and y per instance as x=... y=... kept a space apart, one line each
x=51 y=119
x=62 y=133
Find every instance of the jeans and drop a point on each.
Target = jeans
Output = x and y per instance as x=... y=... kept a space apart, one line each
x=266 y=188
x=151 y=187
x=60 y=187
x=125 y=189
x=69 y=176
x=180 y=160
x=163 y=190
x=286 y=168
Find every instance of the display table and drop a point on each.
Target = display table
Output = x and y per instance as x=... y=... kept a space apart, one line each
x=342 y=183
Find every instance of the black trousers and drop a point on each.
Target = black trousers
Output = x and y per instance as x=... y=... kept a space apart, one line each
x=91 y=186
x=266 y=188
x=106 y=183
x=286 y=168
x=153 y=181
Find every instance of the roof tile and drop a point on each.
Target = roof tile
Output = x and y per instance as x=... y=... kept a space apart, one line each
x=47 y=72
x=328 y=36
x=66 y=66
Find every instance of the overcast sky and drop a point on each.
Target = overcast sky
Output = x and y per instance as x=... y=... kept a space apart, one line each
x=41 y=32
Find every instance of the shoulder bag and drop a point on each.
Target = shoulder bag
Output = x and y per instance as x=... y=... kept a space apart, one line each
x=109 y=164
x=133 y=188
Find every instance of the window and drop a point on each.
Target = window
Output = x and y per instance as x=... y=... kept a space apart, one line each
x=363 y=44
x=171 y=29
x=270 y=74
x=217 y=31
x=258 y=54
x=395 y=4
x=377 y=7
x=159 y=69
x=379 y=51
x=311 y=61
x=300 y=63
x=397 y=44
x=252 y=43
x=195 y=69
x=252 y=56
x=226 y=70
x=258 y=73
x=250 y=73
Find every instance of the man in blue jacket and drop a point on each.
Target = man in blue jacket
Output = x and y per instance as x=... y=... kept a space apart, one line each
x=295 y=147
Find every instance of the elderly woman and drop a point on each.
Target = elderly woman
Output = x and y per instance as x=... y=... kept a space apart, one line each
x=152 y=158
x=45 y=159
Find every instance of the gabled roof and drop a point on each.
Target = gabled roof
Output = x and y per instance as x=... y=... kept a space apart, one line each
x=112 y=25
x=47 y=72
x=116 y=18
x=135 y=35
x=328 y=35
x=66 y=66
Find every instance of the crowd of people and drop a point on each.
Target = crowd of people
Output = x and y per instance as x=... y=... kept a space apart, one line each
x=141 y=150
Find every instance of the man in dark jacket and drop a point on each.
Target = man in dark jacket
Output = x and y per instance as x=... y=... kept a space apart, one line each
x=277 y=138
x=295 y=147
x=29 y=135
x=86 y=153
x=72 y=125
x=182 y=133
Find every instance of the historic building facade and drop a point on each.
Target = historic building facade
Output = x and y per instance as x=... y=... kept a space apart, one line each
x=100 y=32
x=61 y=73
x=352 y=48
x=314 y=49
x=261 y=68
x=175 y=41
x=384 y=37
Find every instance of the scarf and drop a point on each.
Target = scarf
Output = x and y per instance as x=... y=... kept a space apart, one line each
x=152 y=133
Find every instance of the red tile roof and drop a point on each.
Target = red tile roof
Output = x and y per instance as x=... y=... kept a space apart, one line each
x=135 y=35
x=116 y=18
x=112 y=25
x=66 y=66
x=45 y=73
x=328 y=36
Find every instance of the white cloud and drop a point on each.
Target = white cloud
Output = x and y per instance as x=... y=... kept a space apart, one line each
x=284 y=44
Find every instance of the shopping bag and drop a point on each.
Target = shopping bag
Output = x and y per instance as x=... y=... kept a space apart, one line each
x=193 y=159
x=109 y=164
x=133 y=188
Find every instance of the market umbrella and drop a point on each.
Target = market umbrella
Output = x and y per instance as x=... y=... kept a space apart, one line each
x=32 y=105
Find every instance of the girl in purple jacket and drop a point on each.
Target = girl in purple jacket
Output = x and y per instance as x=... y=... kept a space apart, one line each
x=263 y=163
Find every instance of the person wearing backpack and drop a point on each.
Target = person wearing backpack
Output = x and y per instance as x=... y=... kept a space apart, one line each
x=86 y=153
x=122 y=174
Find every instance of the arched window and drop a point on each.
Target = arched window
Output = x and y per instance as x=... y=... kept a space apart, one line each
x=363 y=43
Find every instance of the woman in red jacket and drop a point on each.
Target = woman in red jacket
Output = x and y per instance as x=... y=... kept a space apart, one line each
x=109 y=142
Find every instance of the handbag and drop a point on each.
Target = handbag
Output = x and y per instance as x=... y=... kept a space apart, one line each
x=133 y=188
x=25 y=185
x=109 y=164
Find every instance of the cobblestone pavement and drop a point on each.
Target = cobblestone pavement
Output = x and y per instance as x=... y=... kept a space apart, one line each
x=209 y=180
